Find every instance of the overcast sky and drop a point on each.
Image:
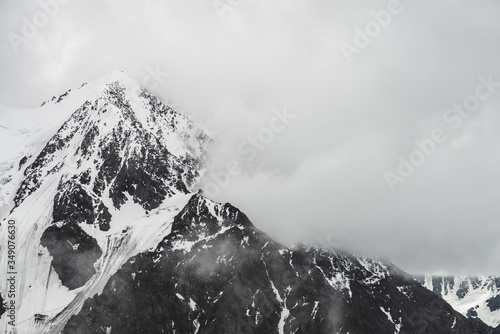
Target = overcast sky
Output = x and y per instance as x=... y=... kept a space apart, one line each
x=323 y=176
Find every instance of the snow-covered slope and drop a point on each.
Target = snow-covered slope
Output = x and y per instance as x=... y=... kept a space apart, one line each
x=478 y=298
x=90 y=179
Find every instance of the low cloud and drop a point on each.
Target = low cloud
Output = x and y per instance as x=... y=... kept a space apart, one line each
x=323 y=176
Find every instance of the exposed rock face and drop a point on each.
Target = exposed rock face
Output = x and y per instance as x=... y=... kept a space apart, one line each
x=74 y=253
x=216 y=273
x=493 y=303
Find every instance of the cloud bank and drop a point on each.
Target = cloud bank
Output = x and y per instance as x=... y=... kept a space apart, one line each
x=322 y=177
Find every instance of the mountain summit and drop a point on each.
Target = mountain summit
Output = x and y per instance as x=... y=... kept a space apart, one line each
x=110 y=237
x=91 y=165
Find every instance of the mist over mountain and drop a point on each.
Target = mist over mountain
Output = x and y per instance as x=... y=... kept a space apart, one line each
x=356 y=117
x=110 y=234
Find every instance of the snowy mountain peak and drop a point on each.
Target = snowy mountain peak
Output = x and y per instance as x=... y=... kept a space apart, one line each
x=116 y=132
x=132 y=87
x=88 y=172
x=96 y=88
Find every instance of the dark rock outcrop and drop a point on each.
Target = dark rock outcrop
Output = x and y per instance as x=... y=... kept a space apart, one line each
x=74 y=253
x=494 y=303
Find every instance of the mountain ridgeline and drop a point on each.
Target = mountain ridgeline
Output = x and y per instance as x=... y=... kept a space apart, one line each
x=216 y=273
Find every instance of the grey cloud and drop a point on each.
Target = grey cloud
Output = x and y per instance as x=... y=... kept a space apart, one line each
x=322 y=177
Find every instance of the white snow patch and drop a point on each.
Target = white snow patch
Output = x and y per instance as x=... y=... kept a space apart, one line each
x=193 y=304
x=314 y=310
